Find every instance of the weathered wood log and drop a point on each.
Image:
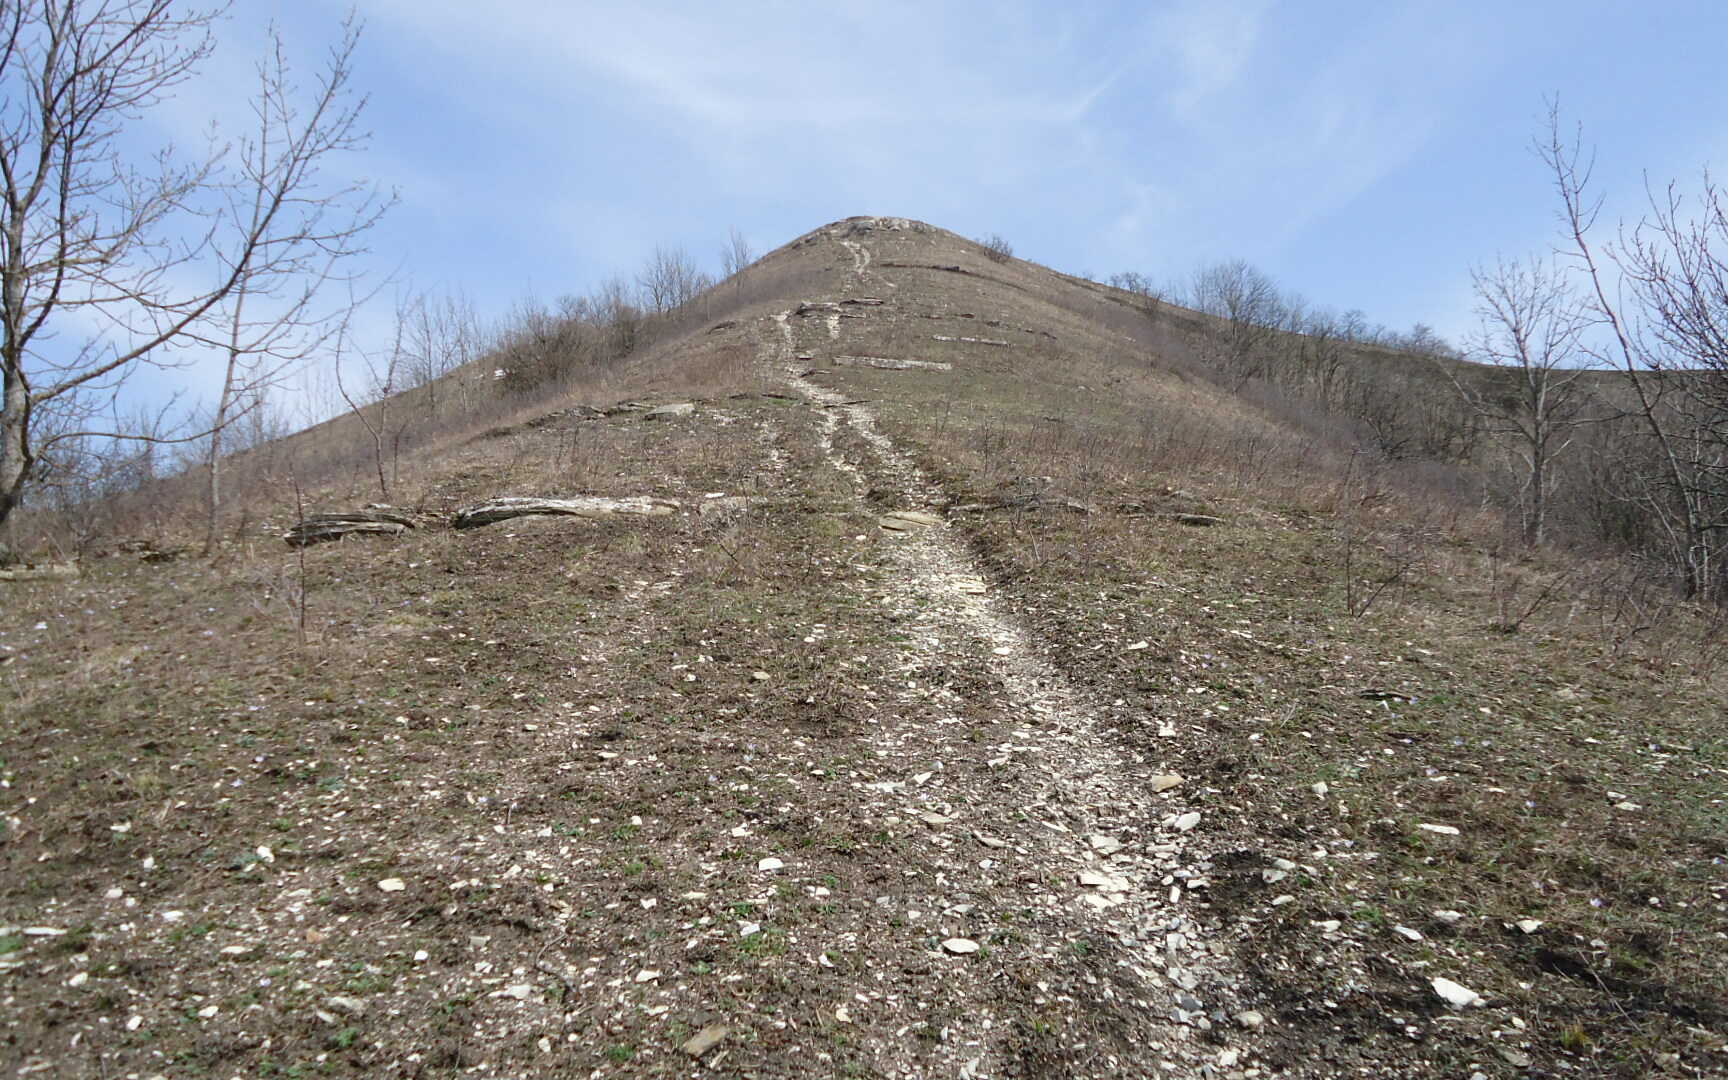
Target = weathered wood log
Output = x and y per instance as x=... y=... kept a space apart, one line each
x=889 y=363
x=908 y=520
x=323 y=528
x=493 y=511
x=1026 y=501
x=40 y=572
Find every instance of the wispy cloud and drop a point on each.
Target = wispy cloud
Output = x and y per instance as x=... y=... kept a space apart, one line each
x=1208 y=45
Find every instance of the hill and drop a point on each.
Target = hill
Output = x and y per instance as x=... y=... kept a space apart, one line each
x=967 y=685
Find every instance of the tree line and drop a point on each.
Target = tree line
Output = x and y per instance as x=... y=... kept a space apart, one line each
x=1592 y=393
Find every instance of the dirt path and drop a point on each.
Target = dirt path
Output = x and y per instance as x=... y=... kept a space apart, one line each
x=1096 y=850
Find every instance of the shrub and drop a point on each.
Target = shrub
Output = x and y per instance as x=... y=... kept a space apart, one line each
x=996 y=248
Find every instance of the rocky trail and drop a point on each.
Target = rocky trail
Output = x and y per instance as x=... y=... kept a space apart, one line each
x=1093 y=837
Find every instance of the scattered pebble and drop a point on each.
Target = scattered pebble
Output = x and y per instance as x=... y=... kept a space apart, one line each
x=1456 y=995
x=392 y=884
x=960 y=946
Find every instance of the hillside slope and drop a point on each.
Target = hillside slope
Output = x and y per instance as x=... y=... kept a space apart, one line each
x=999 y=699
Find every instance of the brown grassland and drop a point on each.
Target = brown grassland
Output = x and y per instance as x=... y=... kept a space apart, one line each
x=565 y=747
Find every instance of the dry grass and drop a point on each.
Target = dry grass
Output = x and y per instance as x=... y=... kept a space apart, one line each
x=1354 y=625
x=542 y=726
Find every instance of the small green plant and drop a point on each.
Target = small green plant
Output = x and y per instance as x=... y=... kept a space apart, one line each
x=621 y=1053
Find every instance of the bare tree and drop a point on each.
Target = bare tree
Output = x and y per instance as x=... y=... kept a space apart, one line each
x=736 y=253
x=1152 y=296
x=998 y=249
x=1531 y=324
x=374 y=406
x=286 y=237
x=1248 y=304
x=440 y=335
x=670 y=280
x=1669 y=346
x=92 y=231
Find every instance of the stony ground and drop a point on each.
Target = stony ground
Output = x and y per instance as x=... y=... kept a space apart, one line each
x=879 y=757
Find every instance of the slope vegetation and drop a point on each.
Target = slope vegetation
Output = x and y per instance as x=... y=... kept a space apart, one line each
x=1000 y=698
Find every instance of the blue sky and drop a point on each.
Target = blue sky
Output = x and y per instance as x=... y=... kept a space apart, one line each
x=1363 y=154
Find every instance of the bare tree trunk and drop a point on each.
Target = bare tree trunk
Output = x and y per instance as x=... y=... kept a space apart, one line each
x=14 y=453
x=219 y=424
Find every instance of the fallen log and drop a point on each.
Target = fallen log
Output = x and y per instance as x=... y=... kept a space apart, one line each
x=493 y=511
x=908 y=520
x=40 y=572
x=1026 y=502
x=889 y=363
x=323 y=528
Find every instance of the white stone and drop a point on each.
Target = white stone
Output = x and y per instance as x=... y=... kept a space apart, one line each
x=1456 y=995
x=1104 y=845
